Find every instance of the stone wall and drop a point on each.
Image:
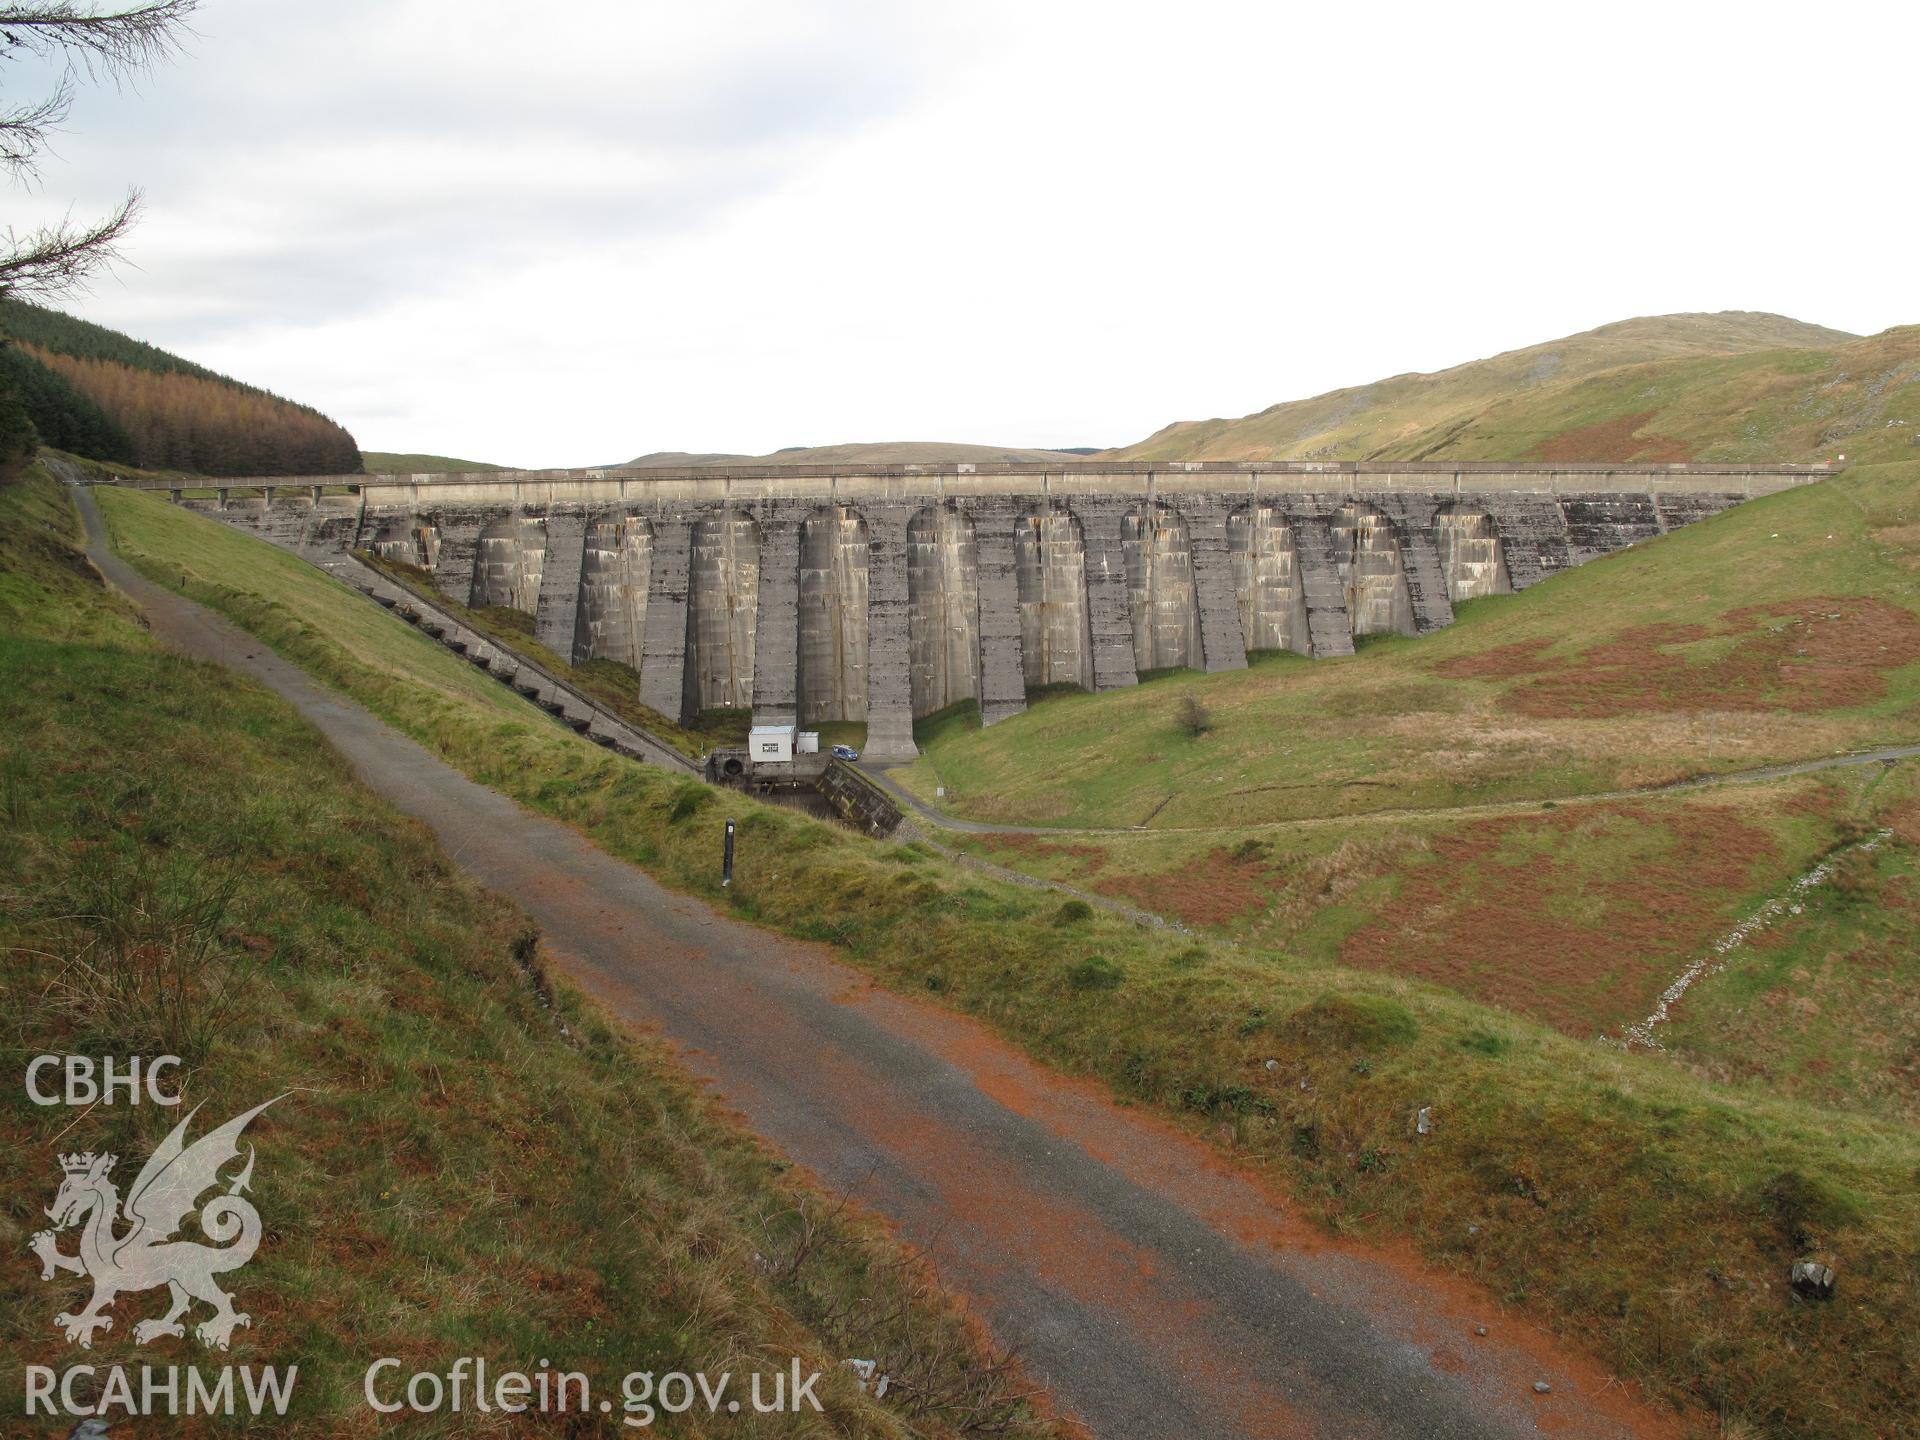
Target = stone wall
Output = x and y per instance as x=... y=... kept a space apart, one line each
x=858 y=801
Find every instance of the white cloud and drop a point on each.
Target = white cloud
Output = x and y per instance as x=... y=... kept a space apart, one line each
x=743 y=225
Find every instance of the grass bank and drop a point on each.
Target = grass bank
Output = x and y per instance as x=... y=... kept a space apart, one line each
x=470 y=1160
x=1650 y=1214
x=608 y=682
x=1581 y=913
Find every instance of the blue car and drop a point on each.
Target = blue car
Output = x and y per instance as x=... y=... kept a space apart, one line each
x=845 y=752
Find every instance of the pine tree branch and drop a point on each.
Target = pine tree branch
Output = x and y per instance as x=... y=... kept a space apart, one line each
x=23 y=131
x=117 y=41
x=58 y=259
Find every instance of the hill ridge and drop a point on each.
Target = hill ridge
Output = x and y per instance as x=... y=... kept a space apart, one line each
x=1421 y=414
x=863 y=452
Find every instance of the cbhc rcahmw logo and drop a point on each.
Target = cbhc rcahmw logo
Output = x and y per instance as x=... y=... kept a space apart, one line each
x=93 y=1082
x=133 y=1243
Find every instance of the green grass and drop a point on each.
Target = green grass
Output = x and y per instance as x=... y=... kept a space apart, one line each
x=102 y=471
x=840 y=732
x=1729 y=387
x=613 y=685
x=1649 y=1213
x=884 y=452
x=1410 y=724
x=383 y=462
x=1577 y=914
x=1798 y=404
x=1825 y=1001
x=471 y=1161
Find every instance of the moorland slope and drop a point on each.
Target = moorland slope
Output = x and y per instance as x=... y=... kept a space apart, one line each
x=1734 y=386
x=880 y=452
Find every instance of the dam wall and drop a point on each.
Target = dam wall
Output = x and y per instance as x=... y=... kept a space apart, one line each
x=816 y=595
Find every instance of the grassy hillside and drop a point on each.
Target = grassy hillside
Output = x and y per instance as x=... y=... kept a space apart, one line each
x=1580 y=913
x=1448 y=806
x=890 y=452
x=1639 y=1207
x=189 y=871
x=1859 y=399
x=908 y=452
x=386 y=462
x=164 y=412
x=1731 y=386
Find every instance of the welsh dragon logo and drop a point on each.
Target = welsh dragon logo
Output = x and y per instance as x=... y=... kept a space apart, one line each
x=145 y=1255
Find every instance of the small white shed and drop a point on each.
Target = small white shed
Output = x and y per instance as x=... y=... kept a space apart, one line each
x=771 y=744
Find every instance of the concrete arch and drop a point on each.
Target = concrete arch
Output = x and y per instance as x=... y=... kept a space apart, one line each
x=943 y=609
x=616 y=569
x=1267 y=579
x=1473 y=557
x=1374 y=571
x=834 y=562
x=509 y=556
x=1050 y=578
x=406 y=543
x=1158 y=553
x=723 y=599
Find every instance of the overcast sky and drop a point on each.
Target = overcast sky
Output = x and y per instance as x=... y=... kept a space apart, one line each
x=459 y=227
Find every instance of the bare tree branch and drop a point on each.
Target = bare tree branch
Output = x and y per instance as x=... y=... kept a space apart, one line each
x=23 y=131
x=116 y=41
x=59 y=259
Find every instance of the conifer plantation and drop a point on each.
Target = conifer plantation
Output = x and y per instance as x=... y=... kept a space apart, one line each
x=98 y=393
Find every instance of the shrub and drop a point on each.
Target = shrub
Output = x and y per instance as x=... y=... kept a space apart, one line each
x=1485 y=1042
x=1096 y=972
x=688 y=801
x=1355 y=1022
x=1805 y=1206
x=1073 y=912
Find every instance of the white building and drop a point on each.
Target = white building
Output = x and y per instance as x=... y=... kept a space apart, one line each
x=771 y=744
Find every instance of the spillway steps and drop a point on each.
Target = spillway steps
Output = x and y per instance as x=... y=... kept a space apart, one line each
x=577 y=711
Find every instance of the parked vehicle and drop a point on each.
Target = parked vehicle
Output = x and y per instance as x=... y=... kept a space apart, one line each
x=845 y=752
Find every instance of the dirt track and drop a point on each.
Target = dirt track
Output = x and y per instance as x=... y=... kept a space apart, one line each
x=1159 y=1291
x=1471 y=810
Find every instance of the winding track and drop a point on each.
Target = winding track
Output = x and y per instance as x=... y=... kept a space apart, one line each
x=1758 y=776
x=1157 y=1289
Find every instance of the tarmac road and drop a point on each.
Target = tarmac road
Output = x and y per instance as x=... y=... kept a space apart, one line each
x=1158 y=1290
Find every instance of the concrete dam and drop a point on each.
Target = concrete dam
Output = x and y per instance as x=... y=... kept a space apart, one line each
x=880 y=595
